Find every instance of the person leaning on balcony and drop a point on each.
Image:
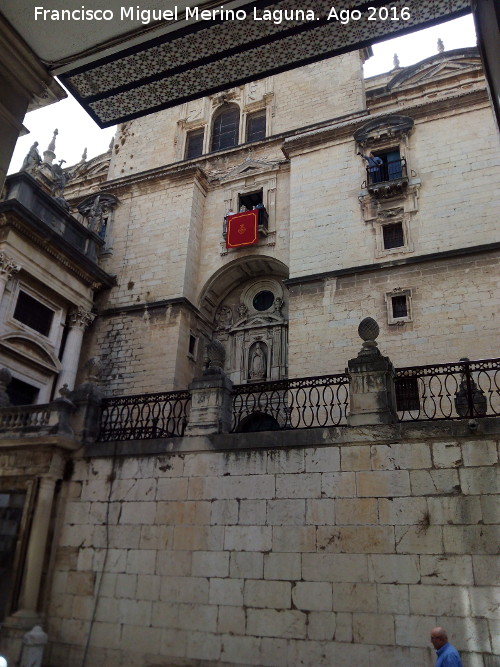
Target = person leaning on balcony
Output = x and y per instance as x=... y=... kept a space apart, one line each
x=447 y=655
x=374 y=164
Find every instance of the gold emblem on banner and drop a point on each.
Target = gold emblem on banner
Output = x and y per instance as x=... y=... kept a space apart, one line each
x=242 y=229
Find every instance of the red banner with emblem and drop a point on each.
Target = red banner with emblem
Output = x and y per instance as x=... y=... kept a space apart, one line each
x=242 y=229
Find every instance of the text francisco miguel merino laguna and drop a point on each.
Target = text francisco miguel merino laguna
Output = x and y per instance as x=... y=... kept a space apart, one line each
x=277 y=16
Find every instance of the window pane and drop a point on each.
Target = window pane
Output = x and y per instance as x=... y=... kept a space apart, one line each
x=34 y=314
x=194 y=144
x=21 y=393
x=406 y=390
x=393 y=235
x=226 y=129
x=399 y=306
x=256 y=126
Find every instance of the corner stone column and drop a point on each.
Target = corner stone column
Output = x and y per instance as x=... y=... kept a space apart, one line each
x=371 y=389
x=27 y=614
x=211 y=396
x=79 y=321
x=7 y=268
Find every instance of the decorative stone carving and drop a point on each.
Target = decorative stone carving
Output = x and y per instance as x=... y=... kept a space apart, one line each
x=81 y=318
x=8 y=266
x=49 y=155
x=97 y=211
x=224 y=317
x=93 y=369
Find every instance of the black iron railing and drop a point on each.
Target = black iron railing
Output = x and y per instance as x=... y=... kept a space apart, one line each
x=388 y=171
x=285 y=404
x=464 y=390
x=144 y=416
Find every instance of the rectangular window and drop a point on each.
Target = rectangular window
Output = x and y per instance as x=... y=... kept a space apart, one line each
x=192 y=345
x=393 y=235
x=22 y=393
x=399 y=306
x=250 y=200
x=392 y=164
x=34 y=314
x=194 y=144
x=256 y=126
x=407 y=397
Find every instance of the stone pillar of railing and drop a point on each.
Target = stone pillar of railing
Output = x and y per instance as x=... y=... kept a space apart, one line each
x=28 y=613
x=211 y=402
x=371 y=387
x=79 y=320
x=87 y=398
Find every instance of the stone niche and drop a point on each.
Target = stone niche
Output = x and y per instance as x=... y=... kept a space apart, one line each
x=252 y=324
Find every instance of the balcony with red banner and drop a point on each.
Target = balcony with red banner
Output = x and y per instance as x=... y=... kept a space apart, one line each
x=242 y=229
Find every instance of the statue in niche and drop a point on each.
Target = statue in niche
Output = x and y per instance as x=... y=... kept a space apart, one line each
x=224 y=317
x=258 y=365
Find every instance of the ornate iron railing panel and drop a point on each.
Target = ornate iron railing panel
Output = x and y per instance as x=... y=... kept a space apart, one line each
x=144 y=416
x=462 y=390
x=291 y=404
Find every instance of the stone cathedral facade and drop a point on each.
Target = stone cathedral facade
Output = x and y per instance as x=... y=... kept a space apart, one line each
x=264 y=222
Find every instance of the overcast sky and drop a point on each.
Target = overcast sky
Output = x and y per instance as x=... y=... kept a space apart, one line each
x=78 y=131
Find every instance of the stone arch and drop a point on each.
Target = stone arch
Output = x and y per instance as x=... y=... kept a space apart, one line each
x=246 y=303
x=235 y=273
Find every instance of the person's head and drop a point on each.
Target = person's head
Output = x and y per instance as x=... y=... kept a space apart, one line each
x=438 y=637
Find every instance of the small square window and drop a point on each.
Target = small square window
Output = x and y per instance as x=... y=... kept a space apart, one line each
x=399 y=306
x=393 y=235
x=194 y=144
x=34 y=314
x=256 y=126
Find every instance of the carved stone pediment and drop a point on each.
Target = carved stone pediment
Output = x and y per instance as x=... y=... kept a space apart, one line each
x=31 y=350
x=437 y=67
x=384 y=127
x=259 y=321
x=248 y=167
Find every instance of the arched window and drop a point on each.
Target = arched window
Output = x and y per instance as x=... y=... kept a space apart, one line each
x=226 y=127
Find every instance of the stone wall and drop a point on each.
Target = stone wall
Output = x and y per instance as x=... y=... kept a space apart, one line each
x=325 y=547
x=453 y=314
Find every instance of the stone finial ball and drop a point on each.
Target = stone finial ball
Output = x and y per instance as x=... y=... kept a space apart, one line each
x=216 y=354
x=368 y=329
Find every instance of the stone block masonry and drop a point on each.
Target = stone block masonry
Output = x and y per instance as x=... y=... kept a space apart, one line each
x=261 y=550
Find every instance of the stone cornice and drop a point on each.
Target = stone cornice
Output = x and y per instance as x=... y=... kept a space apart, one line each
x=173 y=171
x=395 y=263
x=427 y=107
x=26 y=71
x=181 y=301
x=17 y=217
